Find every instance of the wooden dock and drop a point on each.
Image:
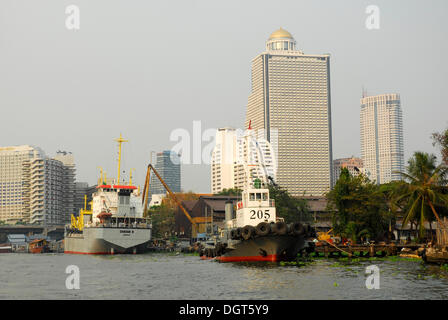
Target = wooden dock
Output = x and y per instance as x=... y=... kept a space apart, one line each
x=372 y=250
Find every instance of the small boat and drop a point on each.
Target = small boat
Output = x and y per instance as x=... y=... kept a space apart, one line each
x=38 y=246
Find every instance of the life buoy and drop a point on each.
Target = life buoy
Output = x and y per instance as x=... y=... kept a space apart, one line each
x=263 y=229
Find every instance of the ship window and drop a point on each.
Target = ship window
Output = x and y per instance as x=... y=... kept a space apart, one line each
x=124 y=200
x=258 y=196
x=251 y=196
x=265 y=196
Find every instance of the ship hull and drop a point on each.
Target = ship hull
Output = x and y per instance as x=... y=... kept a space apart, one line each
x=39 y=250
x=107 y=241
x=271 y=248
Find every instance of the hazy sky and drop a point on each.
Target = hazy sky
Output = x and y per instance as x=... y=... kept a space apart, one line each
x=145 y=68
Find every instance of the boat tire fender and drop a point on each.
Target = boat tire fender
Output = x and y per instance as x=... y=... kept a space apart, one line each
x=247 y=232
x=238 y=233
x=298 y=229
x=280 y=228
x=263 y=229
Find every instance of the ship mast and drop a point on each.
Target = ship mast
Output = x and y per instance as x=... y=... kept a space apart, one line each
x=120 y=141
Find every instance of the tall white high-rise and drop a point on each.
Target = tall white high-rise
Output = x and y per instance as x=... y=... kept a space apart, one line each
x=382 y=148
x=239 y=158
x=290 y=99
x=223 y=160
x=34 y=188
x=15 y=182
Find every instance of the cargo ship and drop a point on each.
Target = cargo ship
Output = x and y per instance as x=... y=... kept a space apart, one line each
x=255 y=233
x=114 y=224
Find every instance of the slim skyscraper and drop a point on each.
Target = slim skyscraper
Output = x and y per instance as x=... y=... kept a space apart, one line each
x=290 y=100
x=382 y=148
x=168 y=166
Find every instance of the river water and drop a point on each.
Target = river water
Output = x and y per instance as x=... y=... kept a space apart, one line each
x=170 y=276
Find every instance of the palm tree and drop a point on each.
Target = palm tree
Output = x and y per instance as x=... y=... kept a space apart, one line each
x=426 y=187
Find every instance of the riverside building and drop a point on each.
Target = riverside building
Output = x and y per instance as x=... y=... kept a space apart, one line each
x=34 y=188
x=238 y=158
x=353 y=165
x=290 y=100
x=382 y=137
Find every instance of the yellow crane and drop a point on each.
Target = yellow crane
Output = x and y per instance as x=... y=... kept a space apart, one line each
x=78 y=222
x=194 y=221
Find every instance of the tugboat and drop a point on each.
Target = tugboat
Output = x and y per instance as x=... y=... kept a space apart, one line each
x=256 y=234
x=114 y=224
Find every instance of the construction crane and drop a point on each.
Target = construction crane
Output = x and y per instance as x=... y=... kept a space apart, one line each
x=194 y=221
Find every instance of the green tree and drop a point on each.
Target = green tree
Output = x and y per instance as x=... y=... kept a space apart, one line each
x=229 y=192
x=358 y=208
x=288 y=207
x=441 y=139
x=163 y=216
x=162 y=219
x=425 y=189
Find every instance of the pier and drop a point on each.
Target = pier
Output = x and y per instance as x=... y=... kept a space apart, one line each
x=329 y=250
x=56 y=232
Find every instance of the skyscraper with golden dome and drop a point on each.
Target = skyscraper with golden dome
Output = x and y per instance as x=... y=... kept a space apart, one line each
x=290 y=101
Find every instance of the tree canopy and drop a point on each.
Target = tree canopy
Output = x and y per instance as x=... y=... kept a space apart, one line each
x=358 y=208
x=288 y=207
x=441 y=139
x=230 y=192
x=424 y=189
x=163 y=216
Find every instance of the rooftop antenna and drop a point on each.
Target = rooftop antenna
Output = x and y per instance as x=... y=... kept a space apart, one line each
x=364 y=92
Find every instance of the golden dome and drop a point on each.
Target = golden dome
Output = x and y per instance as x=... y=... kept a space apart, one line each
x=280 y=33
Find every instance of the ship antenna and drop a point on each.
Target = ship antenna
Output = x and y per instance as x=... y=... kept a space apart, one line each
x=120 y=141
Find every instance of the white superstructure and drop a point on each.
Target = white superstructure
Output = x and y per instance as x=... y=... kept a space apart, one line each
x=118 y=201
x=255 y=207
